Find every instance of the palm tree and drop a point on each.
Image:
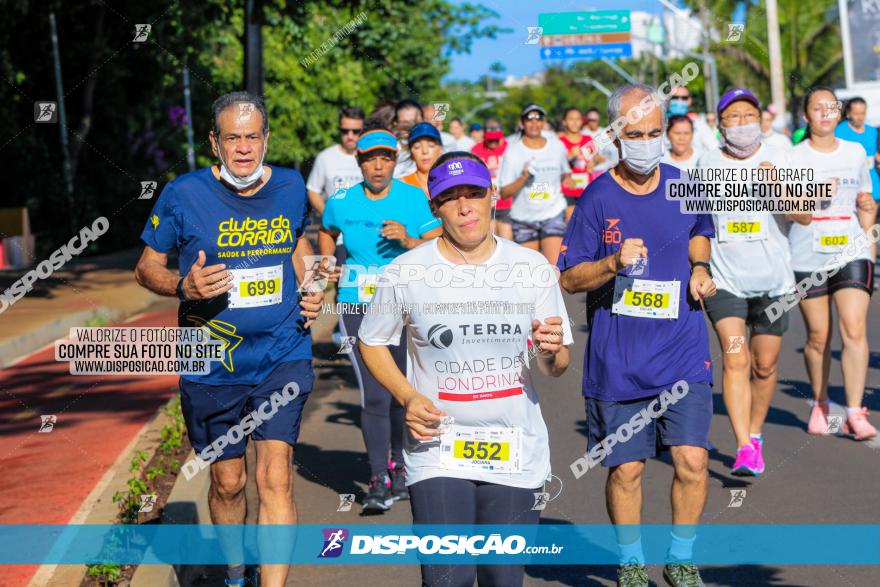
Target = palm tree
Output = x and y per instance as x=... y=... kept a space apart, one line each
x=811 y=50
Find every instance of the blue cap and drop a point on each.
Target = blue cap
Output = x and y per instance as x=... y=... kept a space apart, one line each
x=736 y=95
x=476 y=126
x=424 y=130
x=376 y=139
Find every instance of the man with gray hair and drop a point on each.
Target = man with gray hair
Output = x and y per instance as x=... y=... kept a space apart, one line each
x=238 y=228
x=645 y=266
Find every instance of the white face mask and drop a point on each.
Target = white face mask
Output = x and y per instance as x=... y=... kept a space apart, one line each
x=641 y=157
x=742 y=141
x=241 y=183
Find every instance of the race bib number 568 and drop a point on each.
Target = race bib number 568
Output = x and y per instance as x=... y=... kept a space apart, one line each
x=645 y=298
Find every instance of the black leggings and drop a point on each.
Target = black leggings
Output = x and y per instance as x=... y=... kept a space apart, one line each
x=444 y=500
x=381 y=414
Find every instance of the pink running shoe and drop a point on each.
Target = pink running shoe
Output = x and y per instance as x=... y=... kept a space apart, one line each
x=818 y=419
x=745 y=463
x=758 y=444
x=857 y=424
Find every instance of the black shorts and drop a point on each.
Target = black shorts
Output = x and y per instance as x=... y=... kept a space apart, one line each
x=571 y=200
x=726 y=305
x=502 y=215
x=858 y=274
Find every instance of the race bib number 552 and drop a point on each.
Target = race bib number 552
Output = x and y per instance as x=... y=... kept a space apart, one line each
x=493 y=450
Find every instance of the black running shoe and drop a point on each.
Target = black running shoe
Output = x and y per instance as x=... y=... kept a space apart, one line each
x=398 y=481
x=378 y=499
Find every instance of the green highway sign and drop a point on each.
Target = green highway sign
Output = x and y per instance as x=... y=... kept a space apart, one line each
x=576 y=23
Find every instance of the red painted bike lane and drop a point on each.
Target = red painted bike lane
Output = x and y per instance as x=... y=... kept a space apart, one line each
x=47 y=475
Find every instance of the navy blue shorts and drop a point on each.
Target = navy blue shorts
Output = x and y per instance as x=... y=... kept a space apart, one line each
x=211 y=411
x=684 y=423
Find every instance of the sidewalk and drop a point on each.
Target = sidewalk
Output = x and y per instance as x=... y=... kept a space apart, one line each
x=48 y=477
x=89 y=291
x=69 y=474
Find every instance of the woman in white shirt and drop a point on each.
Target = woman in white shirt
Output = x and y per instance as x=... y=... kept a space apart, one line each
x=831 y=251
x=751 y=266
x=533 y=172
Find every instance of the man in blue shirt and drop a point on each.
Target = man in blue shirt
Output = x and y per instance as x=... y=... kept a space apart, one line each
x=647 y=370
x=853 y=128
x=238 y=229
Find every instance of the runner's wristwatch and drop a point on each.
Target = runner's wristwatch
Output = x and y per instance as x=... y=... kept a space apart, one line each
x=703 y=265
x=181 y=295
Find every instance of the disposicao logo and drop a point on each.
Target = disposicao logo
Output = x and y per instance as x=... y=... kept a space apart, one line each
x=334 y=542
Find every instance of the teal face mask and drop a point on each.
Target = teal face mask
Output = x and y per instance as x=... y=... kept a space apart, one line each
x=678 y=108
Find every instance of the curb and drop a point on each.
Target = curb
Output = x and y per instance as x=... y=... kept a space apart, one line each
x=187 y=504
x=98 y=506
x=24 y=344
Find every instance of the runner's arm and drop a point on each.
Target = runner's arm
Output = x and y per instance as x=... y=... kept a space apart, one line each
x=513 y=188
x=413 y=242
x=153 y=274
x=303 y=248
x=327 y=241
x=422 y=416
x=316 y=201
x=310 y=301
x=551 y=352
x=591 y=275
x=699 y=249
x=804 y=219
x=200 y=283
x=701 y=284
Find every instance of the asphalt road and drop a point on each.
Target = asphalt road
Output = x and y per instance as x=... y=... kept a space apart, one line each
x=808 y=480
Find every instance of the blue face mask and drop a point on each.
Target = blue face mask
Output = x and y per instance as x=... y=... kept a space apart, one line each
x=678 y=108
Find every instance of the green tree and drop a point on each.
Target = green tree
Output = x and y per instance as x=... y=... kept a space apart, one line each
x=810 y=41
x=124 y=99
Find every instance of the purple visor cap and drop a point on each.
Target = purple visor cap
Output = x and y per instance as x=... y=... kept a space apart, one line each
x=455 y=172
x=734 y=96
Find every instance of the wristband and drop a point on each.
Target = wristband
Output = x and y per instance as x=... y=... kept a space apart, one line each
x=181 y=294
x=702 y=264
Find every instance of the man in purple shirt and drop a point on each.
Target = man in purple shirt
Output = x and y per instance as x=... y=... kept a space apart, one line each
x=647 y=370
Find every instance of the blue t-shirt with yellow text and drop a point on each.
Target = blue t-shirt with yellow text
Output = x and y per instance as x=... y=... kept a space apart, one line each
x=254 y=236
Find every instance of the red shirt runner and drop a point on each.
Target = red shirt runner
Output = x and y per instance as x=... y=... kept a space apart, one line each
x=492 y=159
x=579 y=171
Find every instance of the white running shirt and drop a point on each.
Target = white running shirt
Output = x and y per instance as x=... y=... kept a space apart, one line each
x=541 y=197
x=750 y=269
x=334 y=170
x=683 y=164
x=839 y=223
x=467 y=351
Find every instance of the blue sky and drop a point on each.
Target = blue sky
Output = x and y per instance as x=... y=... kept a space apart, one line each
x=510 y=48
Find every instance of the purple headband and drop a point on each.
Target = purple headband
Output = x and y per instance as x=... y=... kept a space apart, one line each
x=458 y=171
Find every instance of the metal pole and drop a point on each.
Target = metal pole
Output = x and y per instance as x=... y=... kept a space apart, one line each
x=711 y=96
x=253 y=47
x=595 y=84
x=777 y=91
x=187 y=105
x=62 y=115
x=620 y=71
